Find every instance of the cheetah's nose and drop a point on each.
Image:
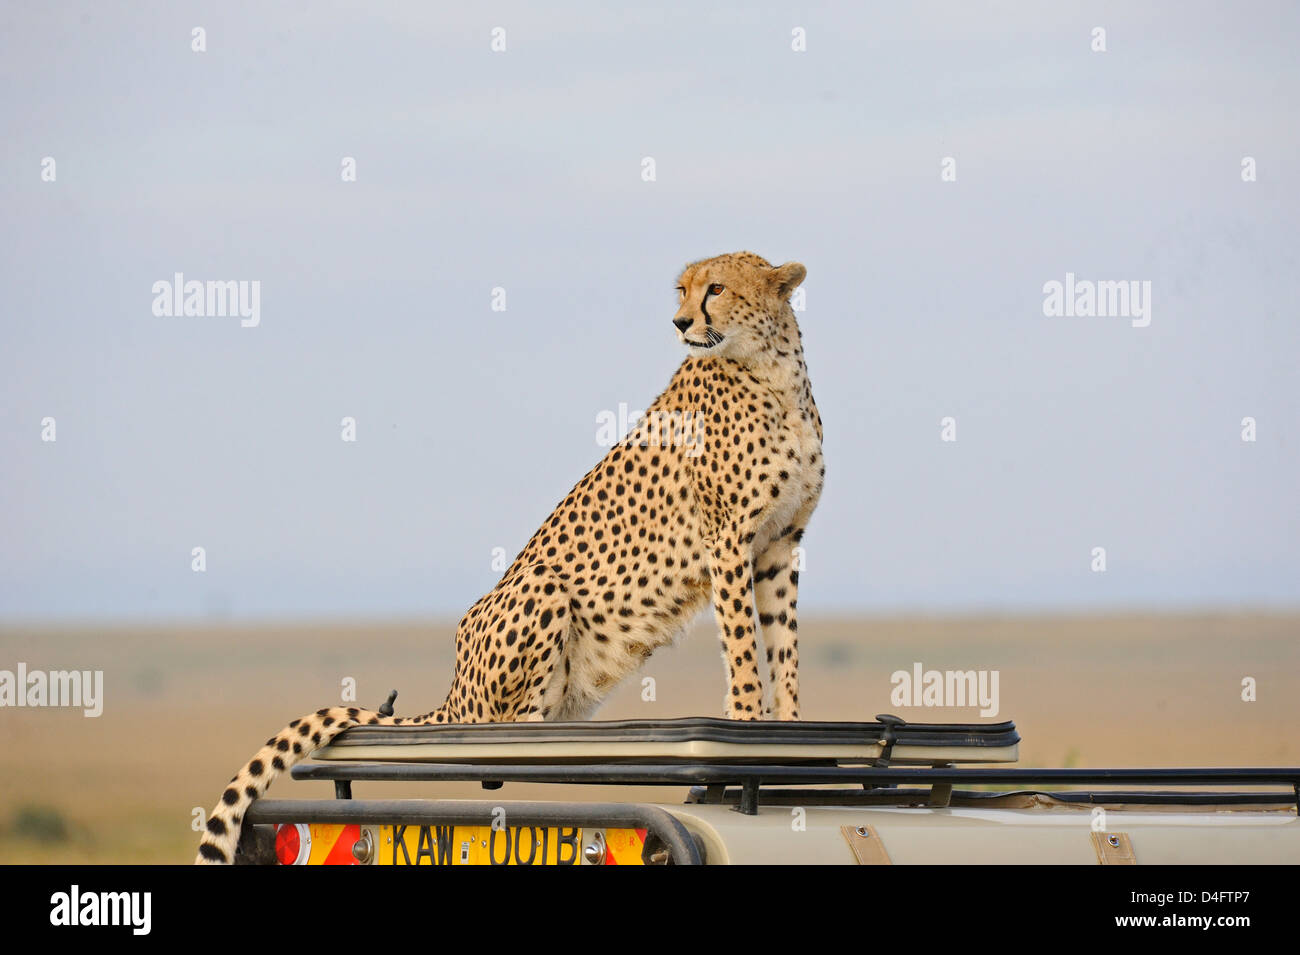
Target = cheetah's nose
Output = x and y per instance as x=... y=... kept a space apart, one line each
x=683 y=323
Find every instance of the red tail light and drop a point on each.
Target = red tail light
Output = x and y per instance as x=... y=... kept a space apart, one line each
x=292 y=843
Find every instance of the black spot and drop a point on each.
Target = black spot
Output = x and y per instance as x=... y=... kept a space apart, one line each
x=230 y=796
x=212 y=853
x=216 y=826
x=255 y=768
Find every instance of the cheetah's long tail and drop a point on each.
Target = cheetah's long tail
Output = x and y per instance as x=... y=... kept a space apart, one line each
x=291 y=745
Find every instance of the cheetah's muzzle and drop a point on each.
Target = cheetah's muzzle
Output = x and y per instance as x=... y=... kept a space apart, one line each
x=713 y=336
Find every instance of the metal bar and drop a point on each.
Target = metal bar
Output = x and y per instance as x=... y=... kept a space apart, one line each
x=940 y=795
x=749 y=798
x=676 y=774
x=920 y=797
x=451 y=812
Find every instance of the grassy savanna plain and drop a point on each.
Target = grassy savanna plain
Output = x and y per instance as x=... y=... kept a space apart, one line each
x=186 y=705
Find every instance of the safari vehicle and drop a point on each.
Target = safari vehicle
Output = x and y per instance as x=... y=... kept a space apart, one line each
x=765 y=792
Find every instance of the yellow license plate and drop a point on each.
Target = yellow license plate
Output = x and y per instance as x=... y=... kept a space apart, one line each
x=507 y=845
x=334 y=844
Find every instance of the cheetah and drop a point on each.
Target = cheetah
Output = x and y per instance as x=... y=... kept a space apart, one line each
x=703 y=502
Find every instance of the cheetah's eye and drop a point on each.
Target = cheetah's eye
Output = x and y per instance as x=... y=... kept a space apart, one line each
x=716 y=289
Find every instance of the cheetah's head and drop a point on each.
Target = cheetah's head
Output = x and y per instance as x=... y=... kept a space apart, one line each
x=737 y=306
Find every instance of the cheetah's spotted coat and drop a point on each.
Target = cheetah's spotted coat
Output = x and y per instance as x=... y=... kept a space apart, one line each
x=661 y=526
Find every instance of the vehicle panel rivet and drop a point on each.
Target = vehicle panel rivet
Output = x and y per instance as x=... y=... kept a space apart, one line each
x=363 y=850
x=594 y=851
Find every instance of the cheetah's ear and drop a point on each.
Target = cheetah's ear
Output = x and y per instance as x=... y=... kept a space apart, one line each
x=786 y=278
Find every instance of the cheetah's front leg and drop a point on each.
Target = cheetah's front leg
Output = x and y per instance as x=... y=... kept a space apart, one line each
x=777 y=585
x=731 y=577
x=776 y=580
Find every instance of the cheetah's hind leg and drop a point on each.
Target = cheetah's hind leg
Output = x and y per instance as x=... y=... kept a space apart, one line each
x=531 y=671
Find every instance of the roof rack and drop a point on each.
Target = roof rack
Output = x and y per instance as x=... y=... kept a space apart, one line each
x=888 y=741
x=754 y=757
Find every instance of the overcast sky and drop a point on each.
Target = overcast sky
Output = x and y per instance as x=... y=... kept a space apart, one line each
x=523 y=170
